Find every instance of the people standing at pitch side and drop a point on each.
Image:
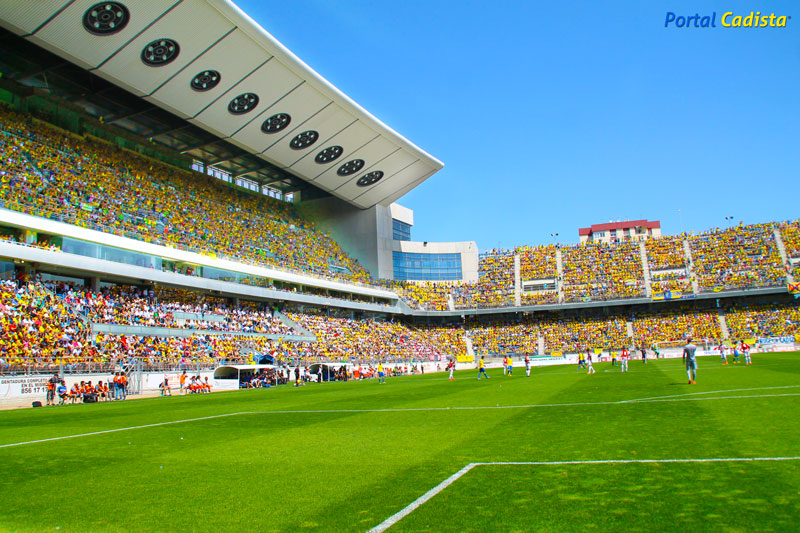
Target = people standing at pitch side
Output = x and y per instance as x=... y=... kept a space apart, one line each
x=691 y=362
x=52 y=384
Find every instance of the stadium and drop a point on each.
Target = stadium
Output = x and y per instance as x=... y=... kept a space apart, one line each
x=206 y=270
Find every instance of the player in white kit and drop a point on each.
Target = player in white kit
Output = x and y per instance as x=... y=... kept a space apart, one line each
x=690 y=360
x=623 y=365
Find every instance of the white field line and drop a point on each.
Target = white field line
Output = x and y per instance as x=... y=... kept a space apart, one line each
x=710 y=392
x=389 y=522
x=121 y=429
x=411 y=410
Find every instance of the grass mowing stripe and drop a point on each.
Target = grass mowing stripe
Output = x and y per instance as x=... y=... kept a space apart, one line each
x=411 y=409
x=389 y=522
x=119 y=429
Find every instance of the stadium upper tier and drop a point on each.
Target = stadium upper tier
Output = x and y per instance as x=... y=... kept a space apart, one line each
x=734 y=259
x=207 y=66
x=91 y=184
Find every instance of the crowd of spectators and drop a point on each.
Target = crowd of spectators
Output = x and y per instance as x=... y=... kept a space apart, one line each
x=427 y=296
x=92 y=184
x=448 y=340
x=539 y=297
x=675 y=281
x=674 y=326
x=84 y=181
x=773 y=320
x=537 y=262
x=501 y=337
x=665 y=253
x=135 y=306
x=597 y=271
x=495 y=285
x=39 y=330
x=343 y=339
x=790 y=231
x=577 y=333
x=741 y=257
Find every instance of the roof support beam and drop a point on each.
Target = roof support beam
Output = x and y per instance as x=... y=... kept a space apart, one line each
x=199 y=145
x=251 y=170
x=130 y=114
x=38 y=71
x=174 y=129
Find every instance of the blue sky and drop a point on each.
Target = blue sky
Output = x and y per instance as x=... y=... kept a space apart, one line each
x=554 y=116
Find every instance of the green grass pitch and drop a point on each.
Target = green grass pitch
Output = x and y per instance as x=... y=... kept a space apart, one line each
x=348 y=456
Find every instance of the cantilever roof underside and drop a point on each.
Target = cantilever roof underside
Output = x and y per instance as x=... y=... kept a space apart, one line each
x=213 y=46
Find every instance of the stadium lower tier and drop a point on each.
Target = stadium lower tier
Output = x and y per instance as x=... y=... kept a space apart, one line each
x=47 y=325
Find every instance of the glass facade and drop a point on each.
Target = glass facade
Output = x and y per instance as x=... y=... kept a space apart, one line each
x=401 y=231
x=426 y=267
x=118 y=255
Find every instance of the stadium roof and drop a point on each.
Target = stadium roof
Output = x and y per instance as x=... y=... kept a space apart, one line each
x=205 y=66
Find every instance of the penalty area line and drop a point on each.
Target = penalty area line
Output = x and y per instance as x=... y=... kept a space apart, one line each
x=407 y=510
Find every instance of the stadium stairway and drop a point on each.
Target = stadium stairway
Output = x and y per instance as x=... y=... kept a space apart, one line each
x=517 y=282
x=451 y=304
x=470 y=348
x=723 y=325
x=560 y=278
x=84 y=318
x=784 y=256
x=687 y=249
x=646 y=269
x=302 y=332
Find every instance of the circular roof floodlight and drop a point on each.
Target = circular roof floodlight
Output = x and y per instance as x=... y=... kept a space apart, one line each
x=351 y=167
x=243 y=103
x=370 y=179
x=329 y=154
x=206 y=80
x=106 y=18
x=276 y=123
x=160 y=52
x=304 y=140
